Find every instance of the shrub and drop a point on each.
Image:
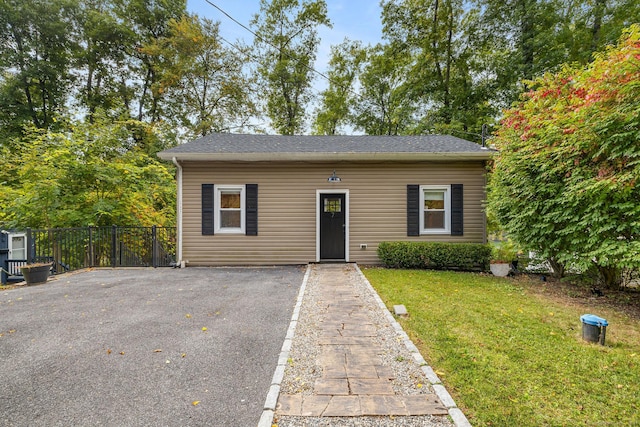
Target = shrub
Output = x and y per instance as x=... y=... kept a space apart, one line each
x=435 y=255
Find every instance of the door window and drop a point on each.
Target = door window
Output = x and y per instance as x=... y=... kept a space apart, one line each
x=332 y=205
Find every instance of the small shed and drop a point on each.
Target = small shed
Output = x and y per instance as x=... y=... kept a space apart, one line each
x=13 y=254
x=271 y=199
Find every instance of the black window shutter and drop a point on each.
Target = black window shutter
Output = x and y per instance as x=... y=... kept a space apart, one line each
x=207 y=209
x=251 y=212
x=413 y=210
x=457 y=226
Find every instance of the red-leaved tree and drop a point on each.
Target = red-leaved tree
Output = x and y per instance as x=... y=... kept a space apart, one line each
x=566 y=181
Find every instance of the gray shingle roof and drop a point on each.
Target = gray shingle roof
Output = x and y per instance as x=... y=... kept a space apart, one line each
x=229 y=146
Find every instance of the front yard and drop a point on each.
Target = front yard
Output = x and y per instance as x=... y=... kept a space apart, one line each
x=511 y=353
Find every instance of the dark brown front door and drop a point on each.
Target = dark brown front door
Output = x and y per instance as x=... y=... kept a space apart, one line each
x=332 y=226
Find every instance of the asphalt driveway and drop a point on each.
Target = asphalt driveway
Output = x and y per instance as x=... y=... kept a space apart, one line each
x=152 y=347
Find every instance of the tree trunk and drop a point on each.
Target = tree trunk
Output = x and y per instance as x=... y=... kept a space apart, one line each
x=434 y=40
x=89 y=88
x=610 y=277
x=447 y=79
x=598 y=12
x=557 y=267
x=526 y=40
x=145 y=86
x=23 y=78
x=123 y=94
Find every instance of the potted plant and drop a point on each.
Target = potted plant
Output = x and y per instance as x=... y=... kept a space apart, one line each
x=502 y=255
x=36 y=273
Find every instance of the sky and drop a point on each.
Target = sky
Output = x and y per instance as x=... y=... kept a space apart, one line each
x=355 y=19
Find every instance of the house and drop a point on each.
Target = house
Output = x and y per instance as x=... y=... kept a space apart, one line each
x=267 y=199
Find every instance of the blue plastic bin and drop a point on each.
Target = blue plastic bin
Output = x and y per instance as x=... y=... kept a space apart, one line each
x=594 y=328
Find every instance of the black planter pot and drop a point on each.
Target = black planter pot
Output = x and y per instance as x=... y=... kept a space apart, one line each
x=34 y=274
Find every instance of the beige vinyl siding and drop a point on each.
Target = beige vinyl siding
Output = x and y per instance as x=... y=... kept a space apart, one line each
x=287 y=208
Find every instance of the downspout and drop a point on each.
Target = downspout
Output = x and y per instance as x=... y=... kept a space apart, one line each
x=484 y=211
x=179 y=262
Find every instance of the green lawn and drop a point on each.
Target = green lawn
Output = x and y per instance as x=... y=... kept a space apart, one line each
x=512 y=357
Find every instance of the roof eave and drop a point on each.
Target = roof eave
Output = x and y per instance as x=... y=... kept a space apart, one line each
x=326 y=156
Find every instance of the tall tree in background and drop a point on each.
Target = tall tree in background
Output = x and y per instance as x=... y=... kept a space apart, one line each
x=35 y=61
x=587 y=27
x=522 y=36
x=149 y=20
x=105 y=43
x=446 y=75
x=287 y=42
x=345 y=65
x=70 y=76
x=81 y=54
x=523 y=39
x=383 y=106
x=204 y=83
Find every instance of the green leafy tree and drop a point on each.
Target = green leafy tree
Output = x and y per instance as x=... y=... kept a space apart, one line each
x=93 y=174
x=14 y=109
x=35 y=61
x=337 y=100
x=424 y=30
x=204 y=83
x=523 y=39
x=565 y=182
x=587 y=27
x=105 y=44
x=435 y=66
x=286 y=42
x=149 y=21
x=384 y=107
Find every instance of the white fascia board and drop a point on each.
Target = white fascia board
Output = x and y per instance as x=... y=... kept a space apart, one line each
x=323 y=156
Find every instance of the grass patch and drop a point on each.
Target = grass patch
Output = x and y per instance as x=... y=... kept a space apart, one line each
x=514 y=357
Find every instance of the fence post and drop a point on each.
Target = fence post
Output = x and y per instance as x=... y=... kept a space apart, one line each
x=4 y=256
x=114 y=239
x=31 y=247
x=154 y=246
x=91 y=254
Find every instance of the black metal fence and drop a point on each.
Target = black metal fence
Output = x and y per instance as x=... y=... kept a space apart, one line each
x=71 y=249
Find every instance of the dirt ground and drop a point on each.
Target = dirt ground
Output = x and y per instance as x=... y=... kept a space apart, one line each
x=570 y=290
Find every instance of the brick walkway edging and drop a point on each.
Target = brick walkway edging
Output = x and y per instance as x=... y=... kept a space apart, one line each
x=266 y=420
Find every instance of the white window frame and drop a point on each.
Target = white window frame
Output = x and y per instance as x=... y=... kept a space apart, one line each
x=218 y=229
x=447 y=209
x=15 y=268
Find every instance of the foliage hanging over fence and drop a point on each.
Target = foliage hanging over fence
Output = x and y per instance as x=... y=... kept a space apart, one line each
x=99 y=174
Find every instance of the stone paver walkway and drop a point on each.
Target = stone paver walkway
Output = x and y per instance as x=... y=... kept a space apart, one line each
x=354 y=380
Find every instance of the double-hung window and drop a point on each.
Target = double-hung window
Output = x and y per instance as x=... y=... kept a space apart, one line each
x=230 y=209
x=435 y=212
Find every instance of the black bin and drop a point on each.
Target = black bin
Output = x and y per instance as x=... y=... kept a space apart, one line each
x=594 y=328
